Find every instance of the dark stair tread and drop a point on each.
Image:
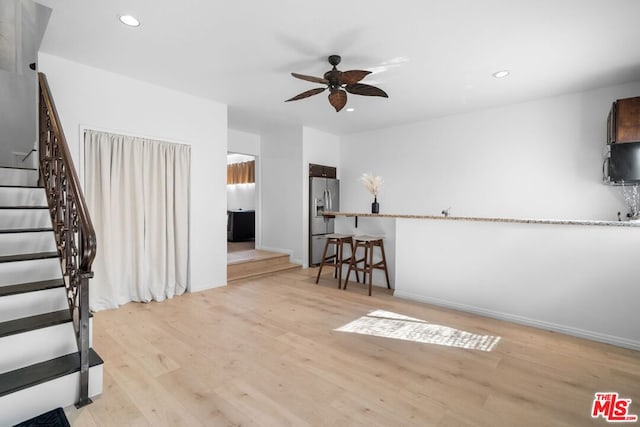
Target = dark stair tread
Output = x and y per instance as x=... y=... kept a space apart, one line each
x=28 y=257
x=19 y=168
x=19 y=186
x=25 y=230
x=29 y=376
x=39 y=321
x=25 y=207
x=22 y=288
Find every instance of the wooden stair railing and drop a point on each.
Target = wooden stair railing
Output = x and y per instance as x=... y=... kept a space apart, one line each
x=74 y=233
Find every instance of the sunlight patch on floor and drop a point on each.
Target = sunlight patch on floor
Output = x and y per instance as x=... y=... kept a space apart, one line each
x=386 y=324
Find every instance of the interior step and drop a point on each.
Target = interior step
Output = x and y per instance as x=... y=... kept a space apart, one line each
x=262 y=263
x=37 y=338
x=35 y=389
x=24 y=217
x=26 y=241
x=29 y=299
x=25 y=230
x=26 y=324
x=18 y=176
x=36 y=270
x=22 y=196
x=29 y=257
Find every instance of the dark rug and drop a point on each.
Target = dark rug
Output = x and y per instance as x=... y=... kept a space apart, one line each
x=55 y=418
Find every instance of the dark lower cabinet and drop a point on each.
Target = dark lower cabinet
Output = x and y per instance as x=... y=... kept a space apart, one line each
x=241 y=225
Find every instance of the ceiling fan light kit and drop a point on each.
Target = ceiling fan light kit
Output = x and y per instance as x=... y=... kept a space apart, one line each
x=339 y=83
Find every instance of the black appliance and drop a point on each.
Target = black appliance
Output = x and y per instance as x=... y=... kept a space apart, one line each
x=622 y=163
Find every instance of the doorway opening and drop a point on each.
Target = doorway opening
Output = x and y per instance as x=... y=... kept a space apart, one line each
x=241 y=205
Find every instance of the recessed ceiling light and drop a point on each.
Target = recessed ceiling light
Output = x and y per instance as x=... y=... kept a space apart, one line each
x=501 y=74
x=129 y=20
x=350 y=109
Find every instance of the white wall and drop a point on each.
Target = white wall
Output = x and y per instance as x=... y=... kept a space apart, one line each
x=576 y=279
x=541 y=159
x=243 y=143
x=241 y=196
x=22 y=25
x=320 y=148
x=91 y=97
x=281 y=183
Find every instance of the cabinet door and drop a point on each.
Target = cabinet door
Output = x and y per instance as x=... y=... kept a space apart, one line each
x=322 y=171
x=627 y=120
x=330 y=172
x=611 y=125
x=316 y=170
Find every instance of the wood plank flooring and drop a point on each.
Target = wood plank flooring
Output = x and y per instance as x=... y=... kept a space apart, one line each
x=263 y=352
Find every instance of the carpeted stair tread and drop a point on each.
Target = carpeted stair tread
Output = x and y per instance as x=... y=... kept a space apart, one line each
x=22 y=288
x=29 y=257
x=29 y=376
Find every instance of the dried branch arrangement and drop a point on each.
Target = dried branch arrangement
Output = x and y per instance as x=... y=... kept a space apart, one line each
x=372 y=183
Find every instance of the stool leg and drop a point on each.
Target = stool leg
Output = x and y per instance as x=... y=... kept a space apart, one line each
x=352 y=265
x=353 y=254
x=324 y=256
x=339 y=252
x=384 y=261
x=370 y=266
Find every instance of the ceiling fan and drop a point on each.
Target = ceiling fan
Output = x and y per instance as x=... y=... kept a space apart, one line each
x=339 y=83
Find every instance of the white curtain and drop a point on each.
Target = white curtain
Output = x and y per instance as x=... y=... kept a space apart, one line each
x=137 y=192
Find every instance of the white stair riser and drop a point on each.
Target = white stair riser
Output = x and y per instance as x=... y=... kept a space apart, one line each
x=13 y=273
x=25 y=177
x=27 y=243
x=61 y=392
x=24 y=218
x=32 y=303
x=38 y=345
x=10 y=196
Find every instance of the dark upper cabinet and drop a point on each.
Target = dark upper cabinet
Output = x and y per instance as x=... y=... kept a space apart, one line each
x=623 y=122
x=322 y=171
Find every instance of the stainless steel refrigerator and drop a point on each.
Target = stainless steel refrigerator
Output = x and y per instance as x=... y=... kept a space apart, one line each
x=324 y=195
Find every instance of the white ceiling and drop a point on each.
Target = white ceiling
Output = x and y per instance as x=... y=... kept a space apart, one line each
x=438 y=55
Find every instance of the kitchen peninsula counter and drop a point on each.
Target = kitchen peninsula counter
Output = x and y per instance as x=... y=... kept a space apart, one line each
x=487 y=219
x=578 y=277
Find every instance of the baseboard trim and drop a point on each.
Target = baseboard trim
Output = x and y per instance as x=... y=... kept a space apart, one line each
x=540 y=324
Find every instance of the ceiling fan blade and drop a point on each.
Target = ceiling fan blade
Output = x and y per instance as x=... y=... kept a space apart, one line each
x=367 y=90
x=307 y=94
x=338 y=99
x=310 y=78
x=353 y=76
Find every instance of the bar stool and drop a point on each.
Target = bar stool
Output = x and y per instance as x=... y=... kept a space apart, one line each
x=367 y=243
x=337 y=260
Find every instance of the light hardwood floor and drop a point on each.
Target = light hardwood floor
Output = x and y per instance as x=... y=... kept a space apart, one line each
x=264 y=352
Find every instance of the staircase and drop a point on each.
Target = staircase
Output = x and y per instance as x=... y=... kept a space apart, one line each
x=39 y=359
x=46 y=250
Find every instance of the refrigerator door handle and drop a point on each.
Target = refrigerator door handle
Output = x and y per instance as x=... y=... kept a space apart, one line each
x=330 y=207
x=315 y=207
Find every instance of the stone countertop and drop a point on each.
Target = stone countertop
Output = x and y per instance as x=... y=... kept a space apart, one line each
x=478 y=219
